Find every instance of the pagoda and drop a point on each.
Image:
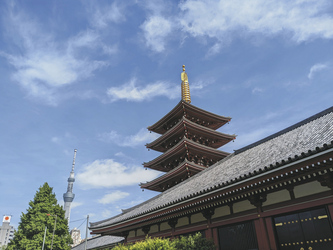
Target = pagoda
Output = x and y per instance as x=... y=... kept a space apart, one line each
x=188 y=142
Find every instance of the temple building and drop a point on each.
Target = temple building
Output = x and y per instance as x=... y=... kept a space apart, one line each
x=276 y=193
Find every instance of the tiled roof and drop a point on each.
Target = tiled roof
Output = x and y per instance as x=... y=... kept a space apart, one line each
x=178 y=150
x=175 y=174
x=309 y=134
x=178 y=111
x=185 y=124
x=99 y=241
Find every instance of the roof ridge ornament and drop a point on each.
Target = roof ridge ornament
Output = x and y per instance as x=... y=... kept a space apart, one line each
x=185 y=86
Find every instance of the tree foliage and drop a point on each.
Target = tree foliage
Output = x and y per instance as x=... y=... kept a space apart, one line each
x=195 y=242
x=42 y=212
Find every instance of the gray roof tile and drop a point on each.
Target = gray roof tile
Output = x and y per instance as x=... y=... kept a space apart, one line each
x=99 y=241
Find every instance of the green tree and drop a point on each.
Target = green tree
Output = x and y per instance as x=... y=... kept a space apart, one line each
x=42 y=212
x=194 y=242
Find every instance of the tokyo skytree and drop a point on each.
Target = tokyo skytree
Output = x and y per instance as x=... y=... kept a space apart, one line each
x=69 y=196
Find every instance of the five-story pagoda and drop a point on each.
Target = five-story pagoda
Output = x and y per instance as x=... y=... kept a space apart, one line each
x=188 y=141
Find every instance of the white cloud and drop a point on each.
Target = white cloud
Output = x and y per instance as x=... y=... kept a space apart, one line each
x=131 y=92
x=113 y=197
x=303 y=19
x=215 y=49
x=140 y=138
x=106 y=213
x=110 y=49
x=256 y=90
x=45 y=64
x=156 y=7
x=316 y=68
x=199 y=85
x=223 y=20
x=103 y=15
x=91 y=39
x=109 y=173
x=43 y=72
x=120 y=154
x=87 y=38
x=156 y=30
x=55 y=139
x=75 y=204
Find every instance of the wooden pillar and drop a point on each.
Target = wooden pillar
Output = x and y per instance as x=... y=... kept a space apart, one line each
x=172 y=223
x=260 y=226
x=327 y=181
x=262 y=235
x=208 y=233
x=330 y=210
x=216 y=237
x=270 y=233
x=208 y=213
x=125 y=235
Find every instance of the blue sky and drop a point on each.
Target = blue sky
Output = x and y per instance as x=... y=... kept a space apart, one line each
x=93 y=75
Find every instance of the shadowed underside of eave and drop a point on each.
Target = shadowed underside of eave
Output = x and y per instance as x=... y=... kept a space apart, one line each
x=184 y=170
x=192 y=113
x=193 y=131
x=186 y=149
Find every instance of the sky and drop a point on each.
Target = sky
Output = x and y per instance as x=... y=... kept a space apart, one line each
x=93 y=75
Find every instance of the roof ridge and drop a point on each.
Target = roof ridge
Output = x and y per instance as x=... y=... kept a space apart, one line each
x=283 y=131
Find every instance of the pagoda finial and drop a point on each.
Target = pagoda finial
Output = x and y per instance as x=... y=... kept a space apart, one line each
x=185 y=87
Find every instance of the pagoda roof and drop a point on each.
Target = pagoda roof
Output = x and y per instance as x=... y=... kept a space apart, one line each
x=290 y=153
x=178 y=130
x=178 y=174
x=212 y=120
x=180 y=150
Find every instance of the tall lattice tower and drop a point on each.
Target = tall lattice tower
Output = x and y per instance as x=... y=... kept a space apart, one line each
x=69 y=196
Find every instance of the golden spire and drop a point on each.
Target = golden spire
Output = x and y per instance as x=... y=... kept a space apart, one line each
x=185 y=87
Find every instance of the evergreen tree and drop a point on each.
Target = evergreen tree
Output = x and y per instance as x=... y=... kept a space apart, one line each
x=42 y=212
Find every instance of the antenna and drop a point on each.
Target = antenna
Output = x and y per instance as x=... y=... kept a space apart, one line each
x=75 y=150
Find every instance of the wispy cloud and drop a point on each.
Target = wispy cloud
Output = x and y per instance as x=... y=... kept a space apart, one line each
x=257 y=90
x=316 y=68
x=107 y=213
x=224 y=20
x=109 y=173
x=304 y=20
x=158 y=25
x=55 y=139
x=103 y=15
x=140 y=138
x=113 y=197
x=75 y=204
x=131 y=92
x=46 y=64
x=215 y=49
x=156 y=30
